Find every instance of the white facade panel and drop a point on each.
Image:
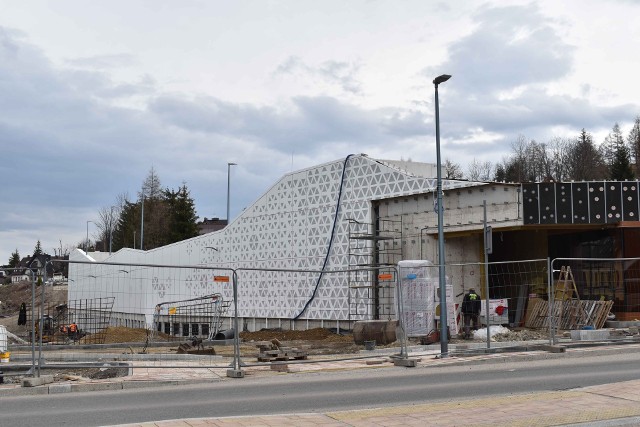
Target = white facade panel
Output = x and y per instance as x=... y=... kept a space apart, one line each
x=289 y=227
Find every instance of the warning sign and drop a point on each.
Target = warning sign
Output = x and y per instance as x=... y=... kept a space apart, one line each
x=385 y=276
x=172 y=310
x=221 y=279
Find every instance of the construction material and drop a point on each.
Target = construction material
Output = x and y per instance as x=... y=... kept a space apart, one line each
x=569 y=314
x=275 y=352
x=381 y=331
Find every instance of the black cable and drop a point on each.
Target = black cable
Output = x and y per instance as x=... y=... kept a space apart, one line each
x=333 y=232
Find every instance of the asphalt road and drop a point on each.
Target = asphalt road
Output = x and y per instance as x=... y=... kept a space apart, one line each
x=317 y=392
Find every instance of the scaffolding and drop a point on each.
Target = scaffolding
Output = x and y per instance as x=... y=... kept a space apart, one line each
x=373 y=245
x=199 y=317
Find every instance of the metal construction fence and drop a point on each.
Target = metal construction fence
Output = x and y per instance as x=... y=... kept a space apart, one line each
x=194 y=315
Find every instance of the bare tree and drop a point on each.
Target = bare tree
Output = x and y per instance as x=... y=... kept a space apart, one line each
x=559 y=157
x=108 y=217
x=452 y=170
x=480 y=171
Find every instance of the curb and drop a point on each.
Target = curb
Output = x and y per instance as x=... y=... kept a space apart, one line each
x=62 y=388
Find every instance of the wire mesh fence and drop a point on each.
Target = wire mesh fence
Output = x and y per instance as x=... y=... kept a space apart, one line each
x=196 y=315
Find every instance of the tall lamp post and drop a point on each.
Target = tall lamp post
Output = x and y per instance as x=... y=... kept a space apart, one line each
x=229 y=187
x=444 y=343
x=86 y=245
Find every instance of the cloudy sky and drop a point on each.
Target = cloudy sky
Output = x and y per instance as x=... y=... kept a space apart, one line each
x=95 y=94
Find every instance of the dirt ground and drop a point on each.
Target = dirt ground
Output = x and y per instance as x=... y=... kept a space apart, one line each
x=315 y=341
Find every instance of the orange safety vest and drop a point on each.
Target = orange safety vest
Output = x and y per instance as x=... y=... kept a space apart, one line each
x=73 y=327
x=63 y=328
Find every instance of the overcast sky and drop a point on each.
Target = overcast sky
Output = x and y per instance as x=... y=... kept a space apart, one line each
x=94 y=94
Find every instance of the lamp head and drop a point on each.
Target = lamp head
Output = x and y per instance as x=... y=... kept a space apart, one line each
x=441 y=79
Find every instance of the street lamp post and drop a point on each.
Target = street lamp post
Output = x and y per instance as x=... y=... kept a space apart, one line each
x=229 y=187
x=444 y=343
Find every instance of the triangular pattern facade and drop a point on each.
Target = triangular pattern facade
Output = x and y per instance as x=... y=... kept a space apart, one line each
x=287 y=228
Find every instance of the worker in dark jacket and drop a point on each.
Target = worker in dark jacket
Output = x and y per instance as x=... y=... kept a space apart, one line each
x=470 y=311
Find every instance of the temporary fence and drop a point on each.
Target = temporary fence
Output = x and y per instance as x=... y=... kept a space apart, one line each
x=150 y=309
x=589 y=293
x=154 y=308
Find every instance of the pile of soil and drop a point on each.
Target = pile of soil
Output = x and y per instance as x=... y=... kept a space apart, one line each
x=316 y=334
x=121 y=334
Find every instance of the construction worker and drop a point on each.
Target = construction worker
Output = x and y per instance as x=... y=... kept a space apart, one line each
x=470 y=311
x=73 y=331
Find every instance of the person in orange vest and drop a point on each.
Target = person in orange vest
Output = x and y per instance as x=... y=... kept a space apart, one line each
x=73 y=331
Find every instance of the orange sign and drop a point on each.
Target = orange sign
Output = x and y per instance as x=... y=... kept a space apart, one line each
x=172 y=310
x=221 y=279
x=385 y=276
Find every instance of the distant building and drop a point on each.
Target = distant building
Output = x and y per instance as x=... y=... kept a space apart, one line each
x=211 y=225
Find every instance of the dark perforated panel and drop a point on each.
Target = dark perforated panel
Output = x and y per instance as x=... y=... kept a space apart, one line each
x=597 y=196
x=630 y=201
x=530 y=204
x=563 y=203
x=580 y=195
x=547 y=203
x=613 y=201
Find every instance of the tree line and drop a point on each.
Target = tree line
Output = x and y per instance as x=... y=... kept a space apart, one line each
x=562 y=159
x=157 y=217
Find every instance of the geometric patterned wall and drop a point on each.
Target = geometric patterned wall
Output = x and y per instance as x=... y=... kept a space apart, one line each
x=596 y=202
x=288 y=227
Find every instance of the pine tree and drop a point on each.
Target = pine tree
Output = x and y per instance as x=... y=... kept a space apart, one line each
x=611 y=142
x=14 y=260
x=620 y=168
x=500 y=174
x=584 y=160
x=38 y=249
x=634 y=144
x=183 y=223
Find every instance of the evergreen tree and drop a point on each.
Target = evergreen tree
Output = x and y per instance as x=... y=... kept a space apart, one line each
x=620 y=168
x=501 y=174
x=634 y=144
x=14 y=260
x=38 y=249
x=584 y=160
x=610 y=145
x=183 y=222
x=169 y=217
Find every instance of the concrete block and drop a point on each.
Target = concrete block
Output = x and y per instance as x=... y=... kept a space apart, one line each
x=235 y=373
x=590 y=334
x=36 y=381
x=59 y=388
x=280 y=367
x=553 y=348
x=407 y=363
